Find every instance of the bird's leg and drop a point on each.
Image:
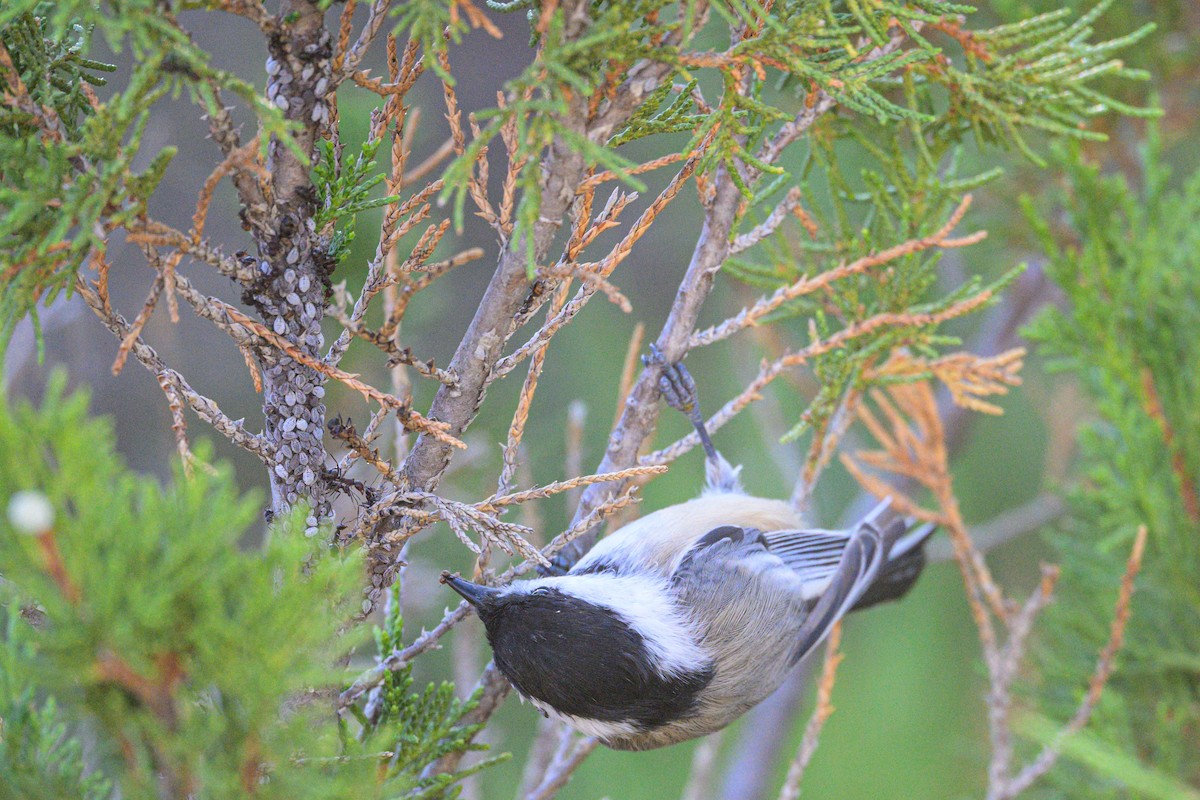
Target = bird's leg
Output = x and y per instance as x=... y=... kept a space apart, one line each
x=679 y=391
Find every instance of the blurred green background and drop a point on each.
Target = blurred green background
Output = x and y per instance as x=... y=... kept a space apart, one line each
x=910 y=712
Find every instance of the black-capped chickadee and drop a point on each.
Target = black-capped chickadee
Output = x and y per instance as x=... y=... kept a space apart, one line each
x=678 y=623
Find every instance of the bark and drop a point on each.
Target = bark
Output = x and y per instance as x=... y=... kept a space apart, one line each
x=476 y=355
x=294 y=268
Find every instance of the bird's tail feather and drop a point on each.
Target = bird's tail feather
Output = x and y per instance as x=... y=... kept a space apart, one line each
x=905 y=561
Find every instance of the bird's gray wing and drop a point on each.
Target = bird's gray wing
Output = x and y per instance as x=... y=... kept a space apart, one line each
x=747 y=609
x=816 y=574
x=729 y=581
x=813 y=553
x=857 y=568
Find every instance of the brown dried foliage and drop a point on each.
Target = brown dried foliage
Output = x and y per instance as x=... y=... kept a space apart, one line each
x=912 y=445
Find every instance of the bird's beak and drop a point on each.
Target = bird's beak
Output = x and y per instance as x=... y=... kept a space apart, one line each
x=473 y=593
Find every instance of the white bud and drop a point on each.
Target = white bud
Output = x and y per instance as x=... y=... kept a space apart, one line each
x=30 y=512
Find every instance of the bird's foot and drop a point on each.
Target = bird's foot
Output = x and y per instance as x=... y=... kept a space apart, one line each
x=676 y=384
x=679 y=391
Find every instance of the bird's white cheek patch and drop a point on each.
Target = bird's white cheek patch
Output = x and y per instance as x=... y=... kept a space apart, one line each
x=647 y=609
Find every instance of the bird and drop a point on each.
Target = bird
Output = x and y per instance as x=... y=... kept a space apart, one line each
x=676 y=624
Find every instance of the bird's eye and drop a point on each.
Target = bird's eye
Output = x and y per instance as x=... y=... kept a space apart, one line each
x=540 y=591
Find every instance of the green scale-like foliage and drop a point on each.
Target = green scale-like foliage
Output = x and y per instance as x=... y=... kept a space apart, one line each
x=908 y=110
x=344 y=191
x=1000 y=83
x=908 y=136
x=898 y=195
x=66 y=166
x=1132 y=278
x=414 y=729
x=228 y=639
x=39 y=759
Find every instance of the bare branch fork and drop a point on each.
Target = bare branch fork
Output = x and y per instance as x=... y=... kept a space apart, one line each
x=569 y=756
x=172 y=382
x=492 y=326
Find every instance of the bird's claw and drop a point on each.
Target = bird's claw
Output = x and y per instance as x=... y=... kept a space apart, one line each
x=675 y=383
x=656 y=357
x=678 y=389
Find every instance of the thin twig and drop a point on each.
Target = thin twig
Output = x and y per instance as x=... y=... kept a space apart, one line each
x=812 y=731
x=499 y=501
x=604 y=509
x=540 y=755
x=134 y=331
x=704 y=762
x=1104 y=667
x=573 y=446
x=1004 y=527
x=158 y=234
x=354 y=56
x=377 y=277
x=788 y=207
x=463 y=517
x=205 y=408
x=805 y=286
x=561 y=768
x=398 y=660
x=772 y=370
x=516 y=429
x=609 y=175
x=1007 y=664
x=604 y=268
x=824 y=443
x=628 y=368
x=178 y=423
